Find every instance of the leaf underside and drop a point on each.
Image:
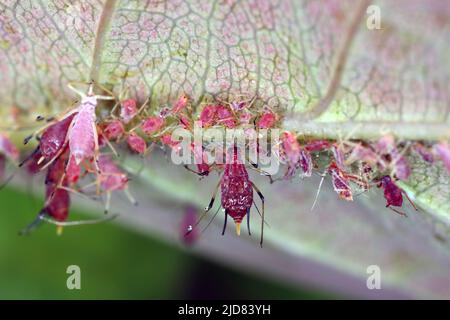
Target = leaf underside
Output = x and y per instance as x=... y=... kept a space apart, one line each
x=284 y=52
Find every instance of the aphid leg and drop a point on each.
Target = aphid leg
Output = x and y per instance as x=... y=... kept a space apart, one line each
x=96 y=157
x=70 y=85
x=33 y=225
x=130 y=197
x=211 y=220
x=318 y=190
x=248 y=222
x=211 y=203
x=108 y=201
x=225 y=223
x=262 y=214
x=201 y=174
x=29 y=157
x=143 y=105
x=410 y=201
x=262 y=172
x=397 y=211
x=259 y=212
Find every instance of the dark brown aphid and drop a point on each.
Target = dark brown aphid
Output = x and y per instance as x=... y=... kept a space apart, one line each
x=237 y=194
x=393 y=195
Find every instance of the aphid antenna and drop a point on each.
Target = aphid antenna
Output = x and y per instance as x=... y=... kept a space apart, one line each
x=398 y=157
x=207 y=209
x=262 y=212
x=409 y=199
x=323 y=175
x=398 y=211
x=210 y=221
x=79 y=222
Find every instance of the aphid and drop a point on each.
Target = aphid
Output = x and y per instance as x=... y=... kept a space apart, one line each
x=167 y=140
x=425 y=153
x=52 y=141
x=112 y=179
x=83 y=135
x=225 y=117
x=136 y=143
x=128 y=110
x=113 y=130
x=318 y=145
x=208 y=115
x=267 y=120
x=181 y=104
x=200 y=158
x=57 y=200
x=393 y=194
x=388 y=151
x=152 y=124
x=245 y=117
x=237 y=193
x=291 y=151
x=443 y=151
x=364 y=154
x=341 y=182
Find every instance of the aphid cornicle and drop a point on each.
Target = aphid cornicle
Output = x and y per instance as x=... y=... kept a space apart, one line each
x=237 y=193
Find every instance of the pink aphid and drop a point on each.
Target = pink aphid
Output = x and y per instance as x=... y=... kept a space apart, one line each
x=387 y=148
x=340 y=181
x=167 y=140
x=443 y=151
x=245 y=117
x=424 y=152
x=181 y=104
x=208 y=116
x=225 y=117
x=112 y=179
x=128 y=110
x=291 y=152
x=393 y=194
x=152 y=124
x=267 y=120
x=364 y=154
x=73 y=171
x=136 y=143
x=290 y=147
x=83 y=135
x=114 y=130
x=201 y=161
x=317 y=145
x=306 y=163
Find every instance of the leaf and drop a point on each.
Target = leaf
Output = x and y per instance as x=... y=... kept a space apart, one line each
x=314 y=61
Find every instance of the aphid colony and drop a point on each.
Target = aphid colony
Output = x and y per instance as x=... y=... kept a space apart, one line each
x=72 y=150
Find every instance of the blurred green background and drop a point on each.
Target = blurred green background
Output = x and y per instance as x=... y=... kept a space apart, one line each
x=115 y=262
